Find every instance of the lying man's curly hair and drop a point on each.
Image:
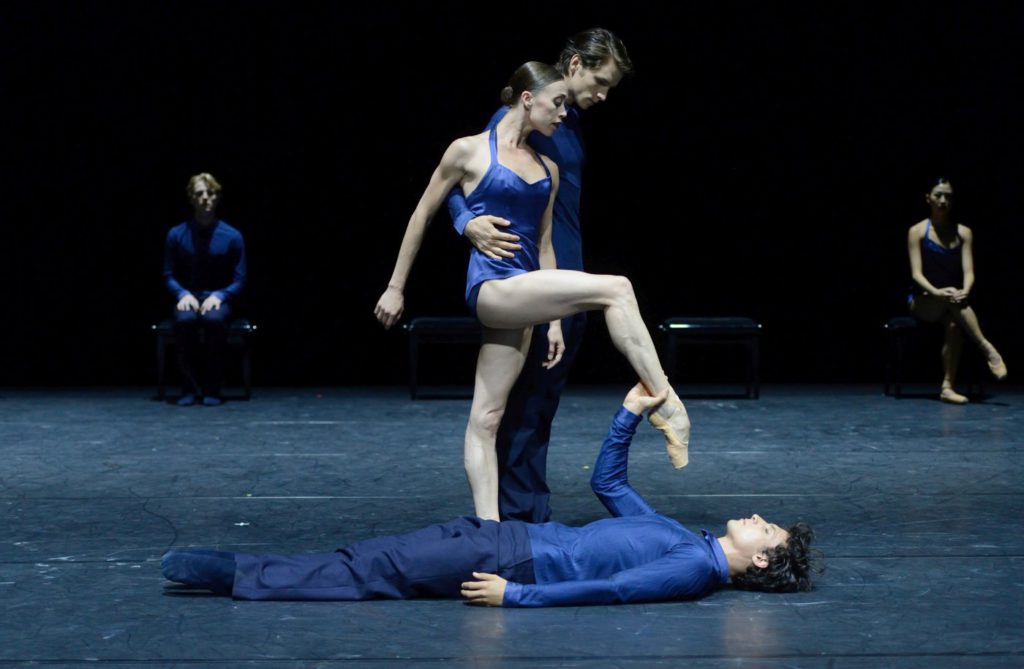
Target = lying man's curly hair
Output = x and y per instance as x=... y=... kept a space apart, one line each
x=789 y=565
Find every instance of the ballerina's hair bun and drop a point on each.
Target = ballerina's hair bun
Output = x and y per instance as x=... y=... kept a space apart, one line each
x=531 y=76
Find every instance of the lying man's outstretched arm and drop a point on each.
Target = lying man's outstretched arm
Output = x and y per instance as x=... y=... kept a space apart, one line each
x=610 y=481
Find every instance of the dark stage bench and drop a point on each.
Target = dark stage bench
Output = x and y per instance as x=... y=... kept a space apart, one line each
x=903 y=334
x=240 y=333
x=438 y=330
x=715 y=331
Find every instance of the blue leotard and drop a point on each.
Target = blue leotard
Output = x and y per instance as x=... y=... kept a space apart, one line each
x=942 y=266
x=504 y=193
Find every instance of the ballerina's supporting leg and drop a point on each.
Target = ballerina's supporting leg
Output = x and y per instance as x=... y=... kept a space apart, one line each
x=951 y=348
x=497 y=368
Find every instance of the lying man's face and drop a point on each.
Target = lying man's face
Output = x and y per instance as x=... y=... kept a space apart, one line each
x=754 y=536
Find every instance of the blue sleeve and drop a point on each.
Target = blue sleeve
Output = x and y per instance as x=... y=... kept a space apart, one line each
x=683 y=573
x=240 y=271
x=175 y=288
x=610 y=481
x=459 y=210
x=457 y=206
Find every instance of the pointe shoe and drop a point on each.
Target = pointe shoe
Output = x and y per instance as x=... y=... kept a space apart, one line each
x=951 y=396
x=676 y=428
x=998 y=369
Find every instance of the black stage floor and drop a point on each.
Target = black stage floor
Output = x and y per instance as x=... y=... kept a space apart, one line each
x=917 y=505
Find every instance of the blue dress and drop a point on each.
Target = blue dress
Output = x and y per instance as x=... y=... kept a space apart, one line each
x=504 y=193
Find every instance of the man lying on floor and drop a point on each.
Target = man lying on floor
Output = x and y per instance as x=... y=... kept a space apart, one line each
x=637 y=556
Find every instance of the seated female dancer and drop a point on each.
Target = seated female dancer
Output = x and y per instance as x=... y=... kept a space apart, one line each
x=501 y=175
x=942 y=266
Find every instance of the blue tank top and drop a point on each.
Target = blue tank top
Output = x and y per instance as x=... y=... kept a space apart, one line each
x=943 y=267
x=504 y=193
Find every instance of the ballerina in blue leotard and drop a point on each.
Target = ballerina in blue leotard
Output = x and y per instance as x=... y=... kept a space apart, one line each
x=942 y=267
x=503 y=176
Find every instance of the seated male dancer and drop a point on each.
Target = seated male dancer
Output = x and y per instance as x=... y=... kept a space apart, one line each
x=637 y=556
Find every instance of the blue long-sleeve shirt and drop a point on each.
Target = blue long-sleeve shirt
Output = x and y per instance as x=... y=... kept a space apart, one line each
x=638 y=556
x=565 y=147
x=204 y=261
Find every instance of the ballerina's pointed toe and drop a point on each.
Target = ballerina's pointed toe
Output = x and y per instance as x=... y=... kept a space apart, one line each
x=998 y=369
x=676 y=430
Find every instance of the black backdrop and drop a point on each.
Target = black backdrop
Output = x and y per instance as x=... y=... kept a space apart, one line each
x=766 y=160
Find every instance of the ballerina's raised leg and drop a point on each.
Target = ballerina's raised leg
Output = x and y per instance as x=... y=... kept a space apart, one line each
x=508 y=309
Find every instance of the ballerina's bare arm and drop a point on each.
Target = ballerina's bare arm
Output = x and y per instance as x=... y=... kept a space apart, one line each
x=451 y=172
x=556 y=341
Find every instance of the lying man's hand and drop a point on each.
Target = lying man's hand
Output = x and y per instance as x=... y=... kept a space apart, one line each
x=638 y=400
x=487 y=590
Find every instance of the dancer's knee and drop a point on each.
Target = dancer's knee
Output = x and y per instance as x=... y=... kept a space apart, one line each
x=929 y=309
x=485 y=422
x=216 y=318
x=621 y=289
x=186 y=319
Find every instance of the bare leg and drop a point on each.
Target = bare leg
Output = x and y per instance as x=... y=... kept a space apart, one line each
x=931 y=309
x=968 y=320
x=951 y=353
x=547 y=295
x=951 y=348
x=497 y=368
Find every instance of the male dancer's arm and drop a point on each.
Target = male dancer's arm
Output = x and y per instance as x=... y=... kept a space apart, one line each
x=610 y=480
x=482 y=231
x=680 y=574
x=172 y=284
x=183 y=296
x=239 y=272
x=236 y=251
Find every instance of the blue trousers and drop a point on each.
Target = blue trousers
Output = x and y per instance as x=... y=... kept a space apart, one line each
x=432 y=562
x=525 y=431
x=201 y=357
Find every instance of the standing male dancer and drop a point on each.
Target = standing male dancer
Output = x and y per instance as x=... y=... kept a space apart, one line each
x=592 y=62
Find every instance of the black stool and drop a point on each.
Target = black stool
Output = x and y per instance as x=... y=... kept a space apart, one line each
x=240 y=332
x=705 y=331
x=438 y=330
x=898 y=333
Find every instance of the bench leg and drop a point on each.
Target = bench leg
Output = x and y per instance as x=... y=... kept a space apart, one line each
x=414 y=351
x=887 y=371
x=161 y=361
x=247 y=369
x=898 y=368
x=755 y=364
